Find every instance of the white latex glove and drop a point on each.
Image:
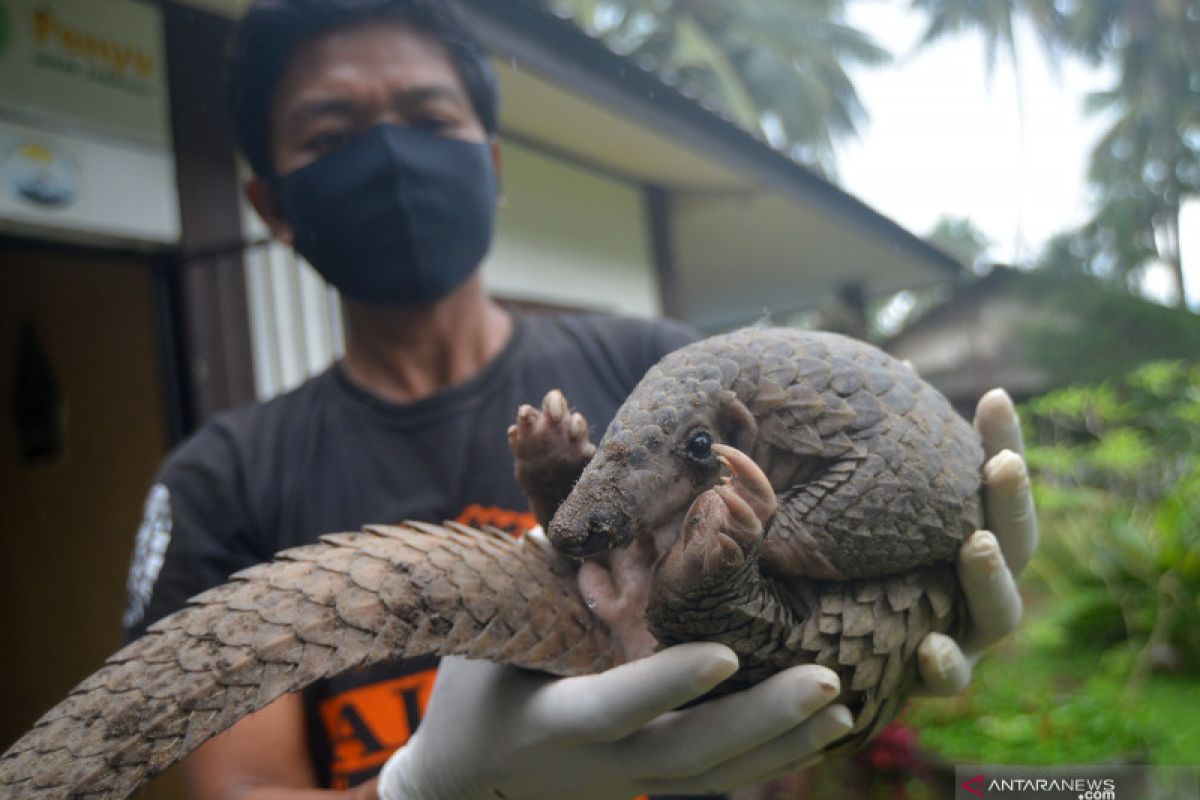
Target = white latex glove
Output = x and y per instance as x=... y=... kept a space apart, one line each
x=498 y=732
x=990 y=561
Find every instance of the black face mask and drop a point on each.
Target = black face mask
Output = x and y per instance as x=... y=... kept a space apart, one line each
x=396 y=217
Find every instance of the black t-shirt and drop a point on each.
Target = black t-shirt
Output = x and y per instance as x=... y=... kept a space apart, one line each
x=328 y=456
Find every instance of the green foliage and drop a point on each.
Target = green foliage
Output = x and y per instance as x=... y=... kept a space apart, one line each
x=993 y=20
x=960 y=237
x=1086 y=331
x=1105 y=665
x=1042 y=698
x=776 y=67
x=1116 y=470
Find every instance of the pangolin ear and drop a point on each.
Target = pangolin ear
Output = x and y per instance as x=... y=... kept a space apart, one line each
x=737 y=424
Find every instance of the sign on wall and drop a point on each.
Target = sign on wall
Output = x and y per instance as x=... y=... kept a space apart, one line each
x=55 y=181
x=92 y=64
x=85 y=143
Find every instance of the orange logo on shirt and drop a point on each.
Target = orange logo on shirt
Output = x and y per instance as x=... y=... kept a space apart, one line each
x=514 y=522
x=365 y=725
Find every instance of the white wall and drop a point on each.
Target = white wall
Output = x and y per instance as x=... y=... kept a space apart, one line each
x=569 y=236
x=295 y=318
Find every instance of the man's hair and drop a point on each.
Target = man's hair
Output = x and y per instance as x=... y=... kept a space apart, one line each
x=271 y=30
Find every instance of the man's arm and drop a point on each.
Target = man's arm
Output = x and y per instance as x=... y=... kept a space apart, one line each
x=263 y=757
x=197 y=532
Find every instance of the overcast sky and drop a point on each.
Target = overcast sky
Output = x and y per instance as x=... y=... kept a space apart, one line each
x=945 y=139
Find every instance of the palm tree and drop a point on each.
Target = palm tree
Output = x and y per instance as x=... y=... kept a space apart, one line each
x=1148 y=161
x=961 y=238
x=777 y=67
x=995 y=21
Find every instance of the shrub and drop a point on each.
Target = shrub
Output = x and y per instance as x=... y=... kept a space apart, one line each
x=1116 y=470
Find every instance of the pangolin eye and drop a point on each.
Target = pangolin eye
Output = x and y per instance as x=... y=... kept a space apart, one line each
x=700 y=445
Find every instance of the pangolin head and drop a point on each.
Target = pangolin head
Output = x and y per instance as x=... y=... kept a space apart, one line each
x=654 y=459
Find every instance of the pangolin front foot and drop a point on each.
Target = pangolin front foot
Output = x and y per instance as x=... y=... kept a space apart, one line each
x=723 y=528
x=551 y=447
x=720 y=536
x=709 y=584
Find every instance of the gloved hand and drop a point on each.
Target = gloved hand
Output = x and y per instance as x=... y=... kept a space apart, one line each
x=989 y=562
x=492 y=731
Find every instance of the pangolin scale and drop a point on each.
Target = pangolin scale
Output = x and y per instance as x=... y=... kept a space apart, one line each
x=870 y=465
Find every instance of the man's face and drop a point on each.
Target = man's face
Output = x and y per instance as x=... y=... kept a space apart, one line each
x=340 y=85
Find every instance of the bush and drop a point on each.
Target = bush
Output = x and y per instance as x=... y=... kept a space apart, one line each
x=1104 y=666
x=1116 y=470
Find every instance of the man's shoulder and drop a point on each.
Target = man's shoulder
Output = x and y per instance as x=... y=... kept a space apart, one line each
x=282 y=409
x=255 y=427
x=613 y=349
x=640 y=340
x=620 y=327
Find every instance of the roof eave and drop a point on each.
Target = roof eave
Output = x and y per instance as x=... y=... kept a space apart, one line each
x=559 y=51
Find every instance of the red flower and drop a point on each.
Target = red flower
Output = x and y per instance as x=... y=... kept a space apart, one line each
x=894 y=749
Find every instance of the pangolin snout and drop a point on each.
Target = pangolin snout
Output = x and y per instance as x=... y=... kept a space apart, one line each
x=601 y=530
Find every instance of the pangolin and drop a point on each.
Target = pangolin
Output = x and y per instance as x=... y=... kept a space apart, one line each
x=798 y=496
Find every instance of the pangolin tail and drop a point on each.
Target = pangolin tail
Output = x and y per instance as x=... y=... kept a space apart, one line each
x=351 y=600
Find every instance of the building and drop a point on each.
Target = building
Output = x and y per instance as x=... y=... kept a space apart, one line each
x=972 y=341
x=1032 y=332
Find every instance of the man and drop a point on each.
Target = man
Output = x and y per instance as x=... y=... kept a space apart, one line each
x=371 y=128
